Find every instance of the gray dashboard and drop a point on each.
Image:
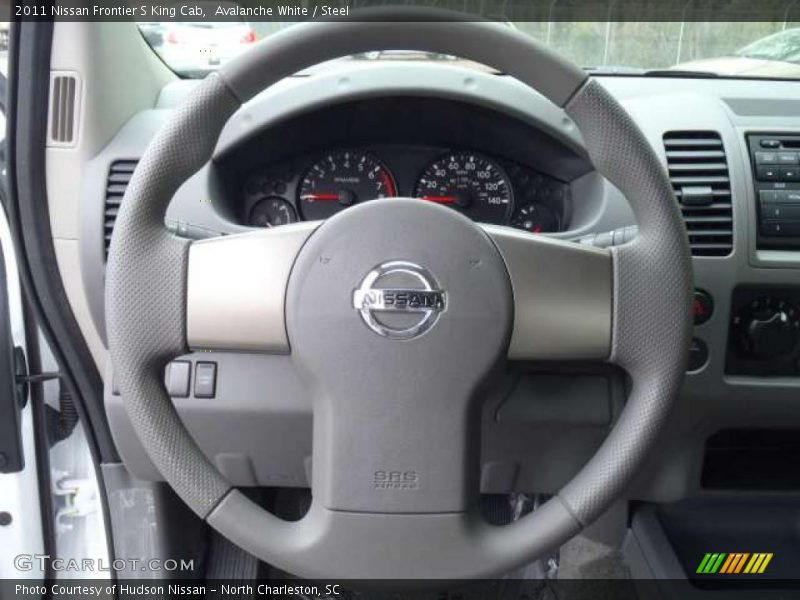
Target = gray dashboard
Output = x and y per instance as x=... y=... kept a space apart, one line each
x=529 y=412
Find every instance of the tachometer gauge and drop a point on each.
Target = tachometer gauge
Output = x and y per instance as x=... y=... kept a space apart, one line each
x=271 y=212
x=341 y=179
x=536 y=218
x=470 y=183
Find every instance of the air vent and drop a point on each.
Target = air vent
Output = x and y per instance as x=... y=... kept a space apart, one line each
x=698 y=171
x=65 y=92
x=118 y=177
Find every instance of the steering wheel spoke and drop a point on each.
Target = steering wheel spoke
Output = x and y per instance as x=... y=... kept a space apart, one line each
x=562 y=296
x=236 y=289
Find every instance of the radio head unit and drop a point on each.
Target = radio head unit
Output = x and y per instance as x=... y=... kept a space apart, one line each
x=775 y=161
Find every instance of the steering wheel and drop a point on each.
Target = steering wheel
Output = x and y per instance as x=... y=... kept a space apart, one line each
x=396 y=313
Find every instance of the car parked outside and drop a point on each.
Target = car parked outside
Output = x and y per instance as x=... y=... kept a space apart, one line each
x=777 y=55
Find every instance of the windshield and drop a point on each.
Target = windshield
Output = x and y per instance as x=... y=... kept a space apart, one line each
x=703 y=49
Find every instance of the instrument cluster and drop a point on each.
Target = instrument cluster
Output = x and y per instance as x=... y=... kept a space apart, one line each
x=485 y=188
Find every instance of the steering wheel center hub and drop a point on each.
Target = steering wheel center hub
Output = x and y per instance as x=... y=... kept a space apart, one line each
x=434 y=288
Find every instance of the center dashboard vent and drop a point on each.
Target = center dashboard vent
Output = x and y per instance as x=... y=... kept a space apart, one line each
x=119 y=175
x=698 y=170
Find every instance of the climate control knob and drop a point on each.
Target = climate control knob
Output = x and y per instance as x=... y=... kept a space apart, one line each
x=772 y=335
x=767 y=329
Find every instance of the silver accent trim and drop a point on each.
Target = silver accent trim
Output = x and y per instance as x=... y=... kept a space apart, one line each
x=563 y=296
x=368 y=300
x=236 y=290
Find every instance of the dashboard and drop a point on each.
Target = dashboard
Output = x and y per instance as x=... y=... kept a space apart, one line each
x=486 y=188
x=487 y=146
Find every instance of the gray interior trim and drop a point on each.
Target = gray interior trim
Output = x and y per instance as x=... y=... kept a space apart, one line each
x=538 y=427
x=751 y=107
x=647 y=536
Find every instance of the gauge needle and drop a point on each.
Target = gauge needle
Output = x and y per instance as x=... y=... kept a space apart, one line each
x=321 y=197
x=440 y=199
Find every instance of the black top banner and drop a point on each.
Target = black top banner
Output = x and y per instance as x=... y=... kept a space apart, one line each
x=773 y=11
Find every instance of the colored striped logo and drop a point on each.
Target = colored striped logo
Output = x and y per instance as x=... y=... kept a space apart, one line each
x=734 y=563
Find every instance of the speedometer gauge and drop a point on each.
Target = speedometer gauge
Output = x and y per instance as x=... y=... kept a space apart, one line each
x=340 y=179
x=469 y=183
